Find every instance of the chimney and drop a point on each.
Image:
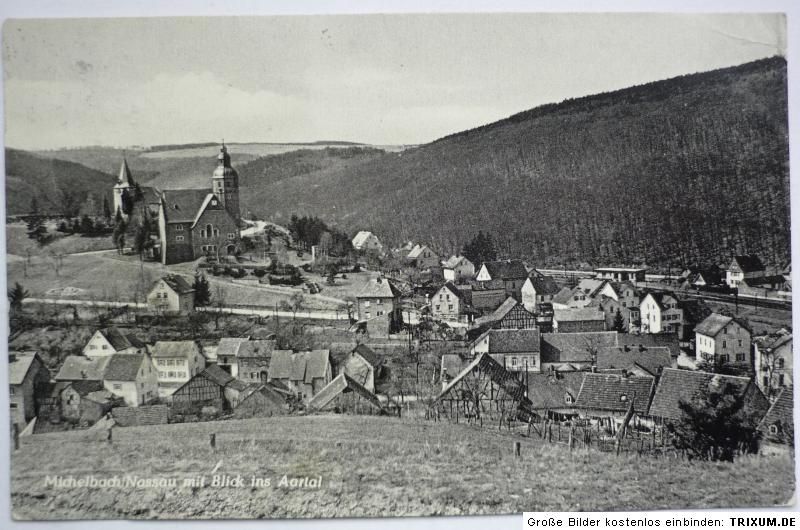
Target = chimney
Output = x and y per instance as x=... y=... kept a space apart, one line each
x=594 y=368
x=83 y=374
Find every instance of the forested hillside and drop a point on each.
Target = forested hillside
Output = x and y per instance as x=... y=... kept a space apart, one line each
x=60 y=187
x=688 y=169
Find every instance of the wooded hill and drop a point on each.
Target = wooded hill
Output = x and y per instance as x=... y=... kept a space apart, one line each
x=61 y=187
x=693 y=168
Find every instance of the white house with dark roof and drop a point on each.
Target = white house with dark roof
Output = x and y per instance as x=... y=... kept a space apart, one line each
x=108 y=341
x=130 y=376
x=449 y=303
x=660 y=313
x=512 y=273
x=379 y=306
x=367 y=242
x=720 y=339
x=171 y=294
x=773 y=361
x=743 y=268
x=422 y=257
x=538 y=289
x=457 y=269
x=177 y=361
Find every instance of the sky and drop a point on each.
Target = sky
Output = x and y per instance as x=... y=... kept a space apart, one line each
x=380 y=79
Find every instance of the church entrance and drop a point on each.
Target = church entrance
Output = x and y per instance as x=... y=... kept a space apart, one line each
x=231 y=250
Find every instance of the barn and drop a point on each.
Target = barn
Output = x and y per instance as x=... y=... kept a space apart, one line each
x=345 y=394
x=206 y=389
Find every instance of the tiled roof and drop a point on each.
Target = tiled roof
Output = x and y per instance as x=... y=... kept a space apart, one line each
x=229 y=346
x=417 y=251
x=513 y=340
x=216 y=375
x=578 y=314
x=499 y=313
x=548 y=391
x=748 y=263
x=135 y=416
x=119 y=340
x=340 y=384
x=77 y=368
x=455 y=291
x=100 y=396
x=574 y=347
x=181 y=206
x=18 y=368
x=625 y=357
x=178 y=283
x=713 y=324
x=780 y=417
x=123 y=367
x=564 y=296
x=369 y=355
x=506 y=269
x=590 y=286
x=455 y=261
x=544 y=285
x=175 y=348
x=379 y=288
x=317 y=362
x=615 y=392
x=280 y=367
x=361 y=238
x=256 y=349
x=651 y=340
x=676 y=385
x=498 y=375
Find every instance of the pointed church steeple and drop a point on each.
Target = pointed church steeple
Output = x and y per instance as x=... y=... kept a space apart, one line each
x=225 y=182
x=125 y=173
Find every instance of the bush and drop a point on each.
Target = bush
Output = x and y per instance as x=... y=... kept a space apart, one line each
x=260 y=272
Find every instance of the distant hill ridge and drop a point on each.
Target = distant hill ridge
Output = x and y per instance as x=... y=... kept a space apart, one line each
x=693 y=168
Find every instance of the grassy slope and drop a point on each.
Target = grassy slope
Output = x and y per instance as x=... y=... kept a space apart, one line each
x=18 y=242
x=693 y=167
x=370 y=467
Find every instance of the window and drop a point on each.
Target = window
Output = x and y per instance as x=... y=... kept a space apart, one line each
x=366 y=303
x=170 y=374
x=725 y=358
x=780 y=379
x=379 y=313
x=740 y=342
x=773 y=429
x=162 y=374
x=179 y=228
x=513 y=361
x=179 y=238
x=766 y=380
x=231 y=235
x=438 y=307
x=12 y=390
x=779 y=363
x=568 y=399
x=117 y=386
x=162 y=362
x=105 y=346
x=740 y=357
x=450 y=307
x=92 y=346
x=724 y=344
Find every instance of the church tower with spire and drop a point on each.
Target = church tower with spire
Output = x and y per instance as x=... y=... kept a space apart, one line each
x=225 y=183
x=123 y=186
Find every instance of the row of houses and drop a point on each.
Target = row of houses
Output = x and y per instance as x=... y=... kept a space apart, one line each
x=117 y=370
x=484 y=388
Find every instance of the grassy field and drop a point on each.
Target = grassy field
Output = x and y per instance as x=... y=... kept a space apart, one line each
x=369 y=466
x=18 y=242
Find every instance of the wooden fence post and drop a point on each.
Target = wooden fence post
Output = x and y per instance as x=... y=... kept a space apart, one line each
x=15 y=430
x=517 y=449
x=213 y=440
x=109 y=436
x=570 y=438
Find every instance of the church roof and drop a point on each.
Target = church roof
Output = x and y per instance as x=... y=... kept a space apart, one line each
x=125 y=177
x=181 y=206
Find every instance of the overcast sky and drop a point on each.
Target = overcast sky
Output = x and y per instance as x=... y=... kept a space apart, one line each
x=382 y=79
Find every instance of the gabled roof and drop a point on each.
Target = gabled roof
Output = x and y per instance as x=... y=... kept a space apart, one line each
x=175 y=348
x=256 y=349
x=564 y=296
x=123 y=367
x=369 y=355
x=544 y=285
x=652 y=360
x=501 y=378
x=99 y=396
x=317 y=362
x=651 y=340
x=547 y=391
x=417 y=251
x=772 y=342
x=229 y=346
x=780 y=415
x=499 y=313
x=659 y=298
x=512 y=269
x=300 y=366
x=216 y=375
x=119 y=340
x=747 y=264
x=182 y=206
x=19 y=367
x=454 y=261
x=455 y=291
x=715 y=323
x=361 y=238
x=280 y=367
x=124 y=178
x=379 y=288
x=77 y=368
x=340 y=385
x=578 y=314
x=615 y=392
x=676 y=385
x=574 y=347
x=502 y=341
x=177 y=283
x=590 y=286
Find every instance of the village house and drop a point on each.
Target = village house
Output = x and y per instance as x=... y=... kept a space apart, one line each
x=569 y=352
x=578 y=320
x=773 y=363
x=207 y=388
x=28 y=378
x=226 y=354
x=579 y=296
x=510 y=315
x=367 y=242
x=661 y=313
x=422 y=257
x=682 y=386
x=176 y=362
x=130 y=376
x=722 y=340
x=171 y=294
x=458 y=269
x=538 y=289
x=108 y=341
x=741 y=268
x=345 y=394
x=553 y=394
x=634 y=275
x=253 y=358
x=611 y=395
x=82 y=402
x=516 y=350
x=363 y=365
x=379 y=306
x=304 y=373
x=777 y=426
x=639 y=361
x=487 y=296
x=649 y=340
x=449 y=303
x=261 y=400
x=512 y=274
x=701 y=277
x=201 y=222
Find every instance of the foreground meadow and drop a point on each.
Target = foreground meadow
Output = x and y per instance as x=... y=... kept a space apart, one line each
x=350 y=466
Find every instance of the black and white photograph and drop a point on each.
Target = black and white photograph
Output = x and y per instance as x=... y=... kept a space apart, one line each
x=314 y=266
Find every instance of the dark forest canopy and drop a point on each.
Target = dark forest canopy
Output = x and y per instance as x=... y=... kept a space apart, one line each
x=691 y=169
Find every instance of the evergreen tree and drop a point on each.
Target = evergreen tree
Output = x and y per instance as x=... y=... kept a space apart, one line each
x=16 y=295
x=480 y=249
x=619 y=322
x=34 y=205
x=202 y=291
x=36 y=230
x=106 y=209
